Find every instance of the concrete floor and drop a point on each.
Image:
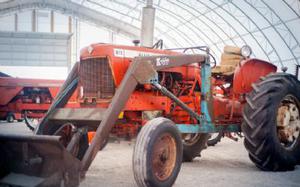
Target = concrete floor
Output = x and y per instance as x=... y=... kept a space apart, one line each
x=226 y=164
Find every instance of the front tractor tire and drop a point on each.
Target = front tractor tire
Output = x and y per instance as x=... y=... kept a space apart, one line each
x=157 y=154
x=271 y=123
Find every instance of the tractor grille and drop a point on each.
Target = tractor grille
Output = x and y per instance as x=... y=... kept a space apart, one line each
x=96 y=78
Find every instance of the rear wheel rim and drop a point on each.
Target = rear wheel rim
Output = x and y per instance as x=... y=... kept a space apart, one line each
x=164 y=157
x=288 y=122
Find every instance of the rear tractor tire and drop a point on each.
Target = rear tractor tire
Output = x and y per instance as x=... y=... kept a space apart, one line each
x=272 y=123
x=157 y=154
x=193 y=144
x=215 y=138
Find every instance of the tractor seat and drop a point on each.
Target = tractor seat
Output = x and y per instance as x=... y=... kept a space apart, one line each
x=230 y=59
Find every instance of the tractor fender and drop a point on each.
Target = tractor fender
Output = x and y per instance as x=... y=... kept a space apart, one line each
x=248 y=72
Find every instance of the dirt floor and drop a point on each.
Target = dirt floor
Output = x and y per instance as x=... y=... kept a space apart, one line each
x=225 y=164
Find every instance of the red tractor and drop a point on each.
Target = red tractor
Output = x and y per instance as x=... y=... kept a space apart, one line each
x=173 y=100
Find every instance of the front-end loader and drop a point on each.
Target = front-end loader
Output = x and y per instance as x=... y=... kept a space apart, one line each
x=172 y=99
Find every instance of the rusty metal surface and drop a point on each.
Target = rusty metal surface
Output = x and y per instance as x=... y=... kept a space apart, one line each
x=163 y=158
x=78 y=114
x=96 y=78
x=288 y=122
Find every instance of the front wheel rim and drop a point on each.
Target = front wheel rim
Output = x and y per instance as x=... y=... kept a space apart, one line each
x=164 y=157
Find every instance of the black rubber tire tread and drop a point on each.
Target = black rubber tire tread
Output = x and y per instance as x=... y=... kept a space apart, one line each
x=214 y=141
x=143 y=148
x=192 y=151
x=259 y=126
x=10 y=118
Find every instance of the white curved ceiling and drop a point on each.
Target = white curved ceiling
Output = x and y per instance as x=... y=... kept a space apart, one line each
x=270 y=27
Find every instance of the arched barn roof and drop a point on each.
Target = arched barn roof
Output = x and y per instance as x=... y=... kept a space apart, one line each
x=270 y=27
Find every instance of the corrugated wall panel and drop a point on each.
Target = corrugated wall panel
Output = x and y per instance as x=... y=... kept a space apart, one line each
x=34 y=49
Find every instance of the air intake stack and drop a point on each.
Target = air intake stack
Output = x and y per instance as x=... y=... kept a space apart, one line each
x=148 y=19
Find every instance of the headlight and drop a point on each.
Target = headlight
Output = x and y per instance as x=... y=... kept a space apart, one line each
x=246 y=51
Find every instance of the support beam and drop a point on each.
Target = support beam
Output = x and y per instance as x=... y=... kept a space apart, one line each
x=111 y=37
x=33 y=21
x=52 y=21
x=74 y=10
x=16 y=22
x=70 y=24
